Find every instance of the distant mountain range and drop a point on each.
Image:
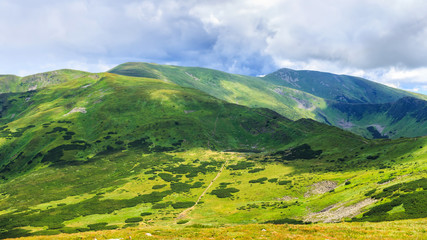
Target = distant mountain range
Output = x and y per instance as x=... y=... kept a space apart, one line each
x=361 y=106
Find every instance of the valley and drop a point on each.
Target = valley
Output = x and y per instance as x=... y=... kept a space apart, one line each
x=197 y=151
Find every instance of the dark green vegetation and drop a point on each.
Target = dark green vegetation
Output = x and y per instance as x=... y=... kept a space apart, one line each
x=106 y=151
x=341 y=88
x=408 y=200
x=355 y=104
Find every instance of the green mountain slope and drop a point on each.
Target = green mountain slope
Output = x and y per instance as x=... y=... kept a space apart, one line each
x=104 y=151
x=406 y=116
x=239 y=89
x=12 y=83
x=340 y=88
x=324 y=97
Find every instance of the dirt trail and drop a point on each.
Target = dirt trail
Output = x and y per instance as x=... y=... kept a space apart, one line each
x=184 y=213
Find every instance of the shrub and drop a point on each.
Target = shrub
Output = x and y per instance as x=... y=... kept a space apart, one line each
x=180 y=187
x=285 y=221
x=241 y=165
x=159 y=186
x=224 y=192
x=370 y=192
x=69 y=230
x=183 y=221
x=133 y=220
x=101 y=226
x=182 y=204
x=259 y=180
x=272 y=180
x=284 y=182
x=255 y=170
x=161 y=205
x=167 y=177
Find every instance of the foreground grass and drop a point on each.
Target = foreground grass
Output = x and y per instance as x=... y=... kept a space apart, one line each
x=406 y=229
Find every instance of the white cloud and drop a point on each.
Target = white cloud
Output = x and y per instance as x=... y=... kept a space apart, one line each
x=380 y=40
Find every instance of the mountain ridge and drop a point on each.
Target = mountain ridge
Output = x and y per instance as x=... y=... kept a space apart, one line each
x=317 y=102
x=107 y=151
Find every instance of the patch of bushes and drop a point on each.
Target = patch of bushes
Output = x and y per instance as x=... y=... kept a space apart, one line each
x=284 y=182
x=272 y=180
x=285 y=221
x=133 y=220
x=158 y=186
x=68 y=135
x=183 y=221
x=180 y=187
x=255 y=170
x=415 y=206
x=69 y=230
x=224 y=192
x=241 y=165
x=142 y=144
x=259 y=180
x=54 y=155
x=57 y=129
x=178 y=205
x=224 y=184
x=101 y=226
x=145 y=214
x=405 y=187
x=167 y=177
x=191 y=171
x=369 y=193
x=161 y=205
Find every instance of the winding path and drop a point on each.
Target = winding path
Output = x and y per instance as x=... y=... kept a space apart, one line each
x=184 y=213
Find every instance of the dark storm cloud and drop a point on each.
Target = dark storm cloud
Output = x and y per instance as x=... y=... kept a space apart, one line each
x=382 y=40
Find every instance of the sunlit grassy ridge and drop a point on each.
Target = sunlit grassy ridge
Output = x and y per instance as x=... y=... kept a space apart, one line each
x=104 y=151
x=12 y=83
x=355 y=104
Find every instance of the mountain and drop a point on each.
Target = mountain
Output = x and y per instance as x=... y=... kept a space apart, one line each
x=339 y=88
x=324 y=97
x=238 y=89
x=12 y=83
x=106 y=151
x=388 y=120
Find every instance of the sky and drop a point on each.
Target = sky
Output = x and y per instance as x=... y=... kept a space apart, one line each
x=381 y=40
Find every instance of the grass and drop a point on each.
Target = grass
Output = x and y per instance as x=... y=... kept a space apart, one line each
x=407 y=229
x=146 y=150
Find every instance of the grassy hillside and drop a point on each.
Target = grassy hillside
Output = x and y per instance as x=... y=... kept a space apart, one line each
x=405 y=117
x=341 y=88
x=12 y=83
x=325 y=97
x=239 y=89
x=104 y=151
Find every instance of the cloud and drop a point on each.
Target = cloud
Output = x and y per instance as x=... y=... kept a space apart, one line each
x=382 y=40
